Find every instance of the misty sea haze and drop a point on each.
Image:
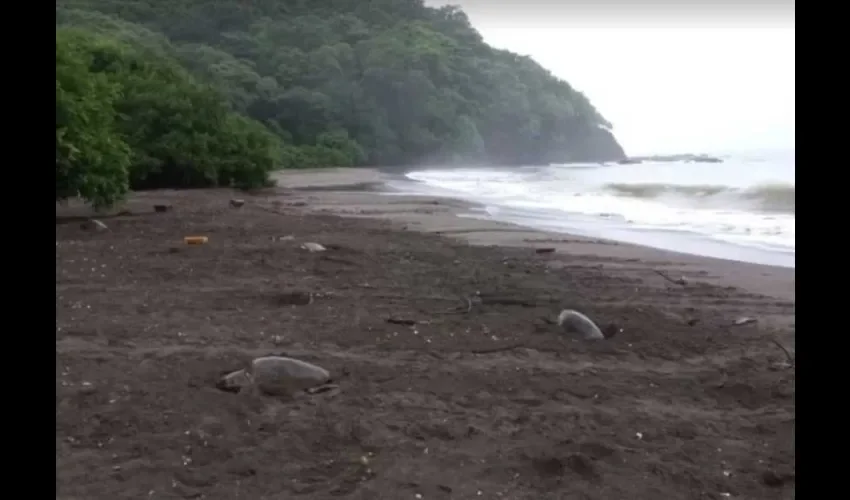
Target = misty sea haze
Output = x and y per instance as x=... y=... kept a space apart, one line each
x=742 y=209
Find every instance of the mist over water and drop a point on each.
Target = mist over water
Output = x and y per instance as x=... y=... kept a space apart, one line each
x=741 y=209
x=672 y=78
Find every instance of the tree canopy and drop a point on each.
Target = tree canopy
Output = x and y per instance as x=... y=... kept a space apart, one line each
x=210 y=92
x=126 y=119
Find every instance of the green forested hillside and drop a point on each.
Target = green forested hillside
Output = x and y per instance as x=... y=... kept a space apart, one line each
x=332 y=83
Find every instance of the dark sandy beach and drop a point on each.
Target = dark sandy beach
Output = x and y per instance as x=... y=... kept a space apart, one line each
x=453 y=383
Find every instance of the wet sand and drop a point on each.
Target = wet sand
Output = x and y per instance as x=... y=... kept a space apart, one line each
x=347 y=192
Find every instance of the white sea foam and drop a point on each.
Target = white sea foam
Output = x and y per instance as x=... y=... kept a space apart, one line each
x=745 y=202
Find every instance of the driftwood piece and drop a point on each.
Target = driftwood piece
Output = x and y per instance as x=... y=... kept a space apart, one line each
x=93 y=225
x=787 y=354
x=502 y=348
x=457 y=310
x=339 y=260
x=507 y=301
x=401 y=321
x=681 y=281
x=744 y=321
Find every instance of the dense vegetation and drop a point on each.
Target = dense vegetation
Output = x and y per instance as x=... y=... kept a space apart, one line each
x=210 y=92
x=124 y=119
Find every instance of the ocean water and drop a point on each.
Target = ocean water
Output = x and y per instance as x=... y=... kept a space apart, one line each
x=742 y=209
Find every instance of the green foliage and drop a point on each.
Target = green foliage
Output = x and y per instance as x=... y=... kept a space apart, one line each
x=353 y=82
x=129 y=117
x=92 y=160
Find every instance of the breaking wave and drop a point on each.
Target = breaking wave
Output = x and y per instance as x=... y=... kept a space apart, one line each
x=748 y=203
x=774 y=197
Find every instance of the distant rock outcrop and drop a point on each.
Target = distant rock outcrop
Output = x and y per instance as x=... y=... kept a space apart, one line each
x=687 y=158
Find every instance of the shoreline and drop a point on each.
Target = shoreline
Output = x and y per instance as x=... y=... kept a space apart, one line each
x=452 y=379
x=615 y=229
x=351 y=193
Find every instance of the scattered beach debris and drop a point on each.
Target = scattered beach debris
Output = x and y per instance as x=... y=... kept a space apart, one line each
x=236 y=203
x=313 y=247
x=785 y=350
x=339 y=260
x=499 y=348
x=744 y=320
x=491 y=299
x=611 y=329
x=322 y=389
x=775 y=479
x=195 y=240
x=276 y=376
x=162 y=208
x=681 y=281
x=582 y=465
x=545 y=250
x=498 y=300
x=295 y=298
x=93 y=225
x=464 y=310
x=572 y=321
x=401 y=321
x=542 y=325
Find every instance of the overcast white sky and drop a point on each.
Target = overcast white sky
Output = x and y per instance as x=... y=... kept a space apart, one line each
x=671 y=76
